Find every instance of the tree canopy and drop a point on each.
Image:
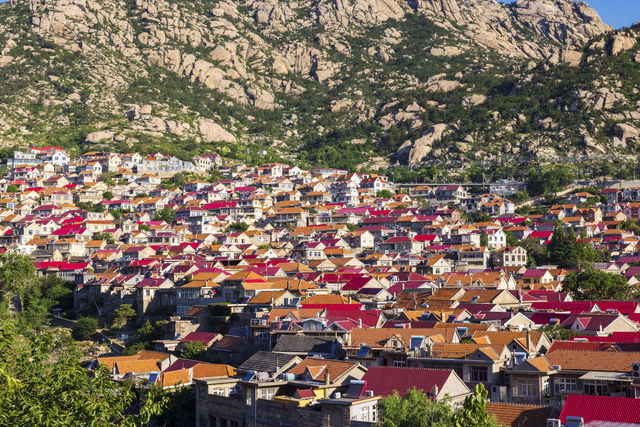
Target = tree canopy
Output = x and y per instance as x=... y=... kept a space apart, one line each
x=414 y=409
x=597 y=285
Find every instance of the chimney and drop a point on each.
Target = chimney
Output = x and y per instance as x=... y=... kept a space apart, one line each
x=528 y=341
x=359 y=322
x=327 y=377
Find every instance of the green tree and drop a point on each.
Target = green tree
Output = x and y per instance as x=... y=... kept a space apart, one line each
x=107 y=195
x=90 y=207
x=511 y=239
x=631 y=225
x=474 y=410
x=42 y=383
x=194 y=350
x=240 y=227
x=146 y=333
x=352 y=227
x=567 y=252
x=166 y=214
x=536 y=253
x=19 y=281
x=12 y=188
x=484 y=239
x=104 y=236
x=414 y=409
x=85 y=328
x=597 y=285
x=385 y=194
x=557 y=332
x=122 y=315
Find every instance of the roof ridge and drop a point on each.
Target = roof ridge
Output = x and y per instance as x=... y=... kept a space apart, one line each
x=518 y=404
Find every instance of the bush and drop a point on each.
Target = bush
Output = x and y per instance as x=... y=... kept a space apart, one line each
x=85 y=328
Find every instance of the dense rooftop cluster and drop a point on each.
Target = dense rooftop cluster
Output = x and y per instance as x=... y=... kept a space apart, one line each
x=314 y=294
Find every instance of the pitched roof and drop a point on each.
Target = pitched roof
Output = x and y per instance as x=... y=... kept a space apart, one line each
x=266 y=361
x=587 y=360
x=601 y=408
x=384 y=380
x=318 y=367
x=304 y=344
x=509 y=414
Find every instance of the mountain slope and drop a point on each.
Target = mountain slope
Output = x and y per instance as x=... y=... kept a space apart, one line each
x=336 y=82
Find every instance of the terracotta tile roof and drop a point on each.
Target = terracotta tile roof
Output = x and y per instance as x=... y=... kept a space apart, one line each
x=137 y=366
x=265 y=297
x=498 y=339
x=458 y=351
x=540 y=363
x=207 y=370
x=588 y=360
x=326 y=299
x=508 y=414
x=318 y=367
x=154 y=356
x=377 y=337
x=172 y=378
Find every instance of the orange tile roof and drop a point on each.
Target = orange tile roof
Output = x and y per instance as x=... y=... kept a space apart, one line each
x=326 y=299
x=320 y=366
x=377 y=337
x=208 y=370
x=509 y=414
x=137 y=366
x=173 y=378
x=265 y=297
x=589 y=360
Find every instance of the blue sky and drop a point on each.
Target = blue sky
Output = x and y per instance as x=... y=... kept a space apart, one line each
x=617 y=13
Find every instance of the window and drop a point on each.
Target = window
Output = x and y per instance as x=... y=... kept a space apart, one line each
x=567 y=384
x=217 y=391
x=479 y=373
x=525 y=387
x=599 y=388
x=267 y=393
x=399 y=363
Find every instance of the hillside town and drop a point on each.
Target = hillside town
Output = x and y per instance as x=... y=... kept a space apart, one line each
x=312 y=295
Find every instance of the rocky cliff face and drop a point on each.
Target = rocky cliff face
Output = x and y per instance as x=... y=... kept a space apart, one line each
x=302 y=78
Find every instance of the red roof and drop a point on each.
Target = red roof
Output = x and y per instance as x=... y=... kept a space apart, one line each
x=203 y=337
x=601 y=408
x=383 y=380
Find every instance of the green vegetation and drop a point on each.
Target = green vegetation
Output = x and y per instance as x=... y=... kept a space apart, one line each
x=238 y=227
x=145 y=334
x=104 y=236
x=122 y=315
x=42 y=382
x=194 y=351
x=385 y=194
x=166 y=214
x=557 y=332
x=86 y=327
x=550 y=179
x=566 y=251
x=598 y=285
x=415 y=409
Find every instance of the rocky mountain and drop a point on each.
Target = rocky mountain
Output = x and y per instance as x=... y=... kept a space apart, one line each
x=351 y=83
